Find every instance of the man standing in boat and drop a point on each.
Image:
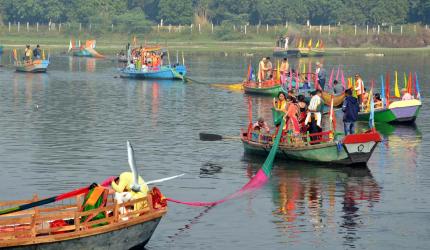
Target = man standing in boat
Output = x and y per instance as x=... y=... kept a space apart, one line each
x=315 y=108
x=321 y=74
x=350 y=110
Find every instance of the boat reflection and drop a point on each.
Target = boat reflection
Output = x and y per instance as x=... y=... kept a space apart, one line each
x=316 y=199
x=80 y=64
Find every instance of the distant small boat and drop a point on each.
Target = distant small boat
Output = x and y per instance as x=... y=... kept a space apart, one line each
x=169 y=72
x=300 y=51
x=374 y=54
x=35 y=66
x=84 y=51
x=397 y=112
x=30 y=66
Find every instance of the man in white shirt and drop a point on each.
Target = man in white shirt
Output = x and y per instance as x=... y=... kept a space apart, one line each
x=315 y=108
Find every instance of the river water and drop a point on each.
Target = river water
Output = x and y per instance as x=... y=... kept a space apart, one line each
x=68 y=128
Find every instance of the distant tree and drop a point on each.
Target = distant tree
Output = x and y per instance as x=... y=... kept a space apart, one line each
x=133 y=22
x=176 y=12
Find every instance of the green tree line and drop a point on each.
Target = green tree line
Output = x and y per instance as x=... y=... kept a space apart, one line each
x=138 y=14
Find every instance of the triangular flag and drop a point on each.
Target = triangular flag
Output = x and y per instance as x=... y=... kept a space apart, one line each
x=343 y=80
x=337 y=74
x=383 y=91
x=372 y=113
x=417 y=86
x=396 y=85
x=318 y=44
x=331 y=79
x=405 y=80
x=310 y=43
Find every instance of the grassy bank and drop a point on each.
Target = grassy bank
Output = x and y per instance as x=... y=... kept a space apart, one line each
x=338 y=40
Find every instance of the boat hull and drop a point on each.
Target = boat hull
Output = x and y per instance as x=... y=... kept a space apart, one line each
x=39 y=66
x=397 y=112
x=298 y=52
x=271 y=91
x=164 y=73
x=135 y=236
x=353 y=150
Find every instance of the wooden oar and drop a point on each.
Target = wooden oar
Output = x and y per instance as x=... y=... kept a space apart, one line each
x=215 y=137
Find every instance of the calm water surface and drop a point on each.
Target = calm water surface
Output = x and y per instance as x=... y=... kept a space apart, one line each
x=68 y=128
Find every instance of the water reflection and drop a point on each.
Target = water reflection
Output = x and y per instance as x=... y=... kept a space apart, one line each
x=319 y=199
x=80 y=64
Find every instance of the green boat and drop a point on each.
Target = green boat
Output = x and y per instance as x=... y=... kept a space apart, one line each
x=265 y=88
x=353 y=149
x=397 y=112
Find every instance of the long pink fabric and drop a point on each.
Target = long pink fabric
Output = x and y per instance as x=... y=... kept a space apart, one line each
x=256 y=182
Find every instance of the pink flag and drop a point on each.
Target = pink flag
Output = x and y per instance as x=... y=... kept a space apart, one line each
x=290 y=86
x=331 y=79
x=343 y=81
x=338 y=71
x=309 y=72
x=297 y=81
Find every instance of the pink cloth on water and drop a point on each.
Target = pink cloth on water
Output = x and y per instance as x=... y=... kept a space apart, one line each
x=259 y=179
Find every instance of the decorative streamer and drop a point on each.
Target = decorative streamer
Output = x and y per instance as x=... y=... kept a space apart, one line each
x=337 y=74
x=290 y=86
x=405 y=80
x=343 y=80
x=309 y=72
x=331 y=79
x=383 y=91
x=259 y=179
x=297 y=82
x=387 y=88
x=396 y=85
x=417 y=86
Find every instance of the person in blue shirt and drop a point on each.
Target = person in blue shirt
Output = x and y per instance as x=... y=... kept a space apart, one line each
x=350 y=110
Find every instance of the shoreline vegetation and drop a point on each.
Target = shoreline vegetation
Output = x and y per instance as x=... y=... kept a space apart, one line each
x=345 y=39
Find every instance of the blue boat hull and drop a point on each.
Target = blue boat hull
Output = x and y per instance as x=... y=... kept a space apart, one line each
x=164 y=72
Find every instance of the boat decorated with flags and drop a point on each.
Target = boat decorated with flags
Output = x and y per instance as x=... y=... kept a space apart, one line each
x=32 y=65
x=90 y=217
x=301 y=50
x=87 y=50
x=396 y=109
x=326 y=146
x=147 y=63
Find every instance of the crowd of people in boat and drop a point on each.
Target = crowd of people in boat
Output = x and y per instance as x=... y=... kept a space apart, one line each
x=144 y=60
x=303 y=117
x=300 y=116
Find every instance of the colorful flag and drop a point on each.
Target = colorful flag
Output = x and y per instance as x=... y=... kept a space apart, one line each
x=383 y=91
x=372 y=113
x=310 y=43
x=343 y=80
x=330 y=81
x=396 y=85
x=318 y=44
x=417 y=87
x=290 y=86
x=406 y=81
x=337 y=74
x=332 y=116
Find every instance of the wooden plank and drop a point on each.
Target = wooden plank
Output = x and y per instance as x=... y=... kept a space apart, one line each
x=55 y=216
x=137 y=212
x=57 y=229
x=109 y=220
x=96 y=211
x=16 y=220
x=14 y=203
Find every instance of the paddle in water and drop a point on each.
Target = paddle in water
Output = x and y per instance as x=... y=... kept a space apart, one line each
x=257 y=181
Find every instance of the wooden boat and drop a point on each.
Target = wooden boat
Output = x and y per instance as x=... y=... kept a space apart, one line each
x=268 y=87
x=35 y=66
x=337 y=99
x=397 y=112
x=298 y=52
x=66 y=226
x=351 y=150
x=166 y=72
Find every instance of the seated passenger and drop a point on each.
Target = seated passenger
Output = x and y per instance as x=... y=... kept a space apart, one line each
x=261 y=126
x=122 y=186
x=406 y=96
x=377 y=101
